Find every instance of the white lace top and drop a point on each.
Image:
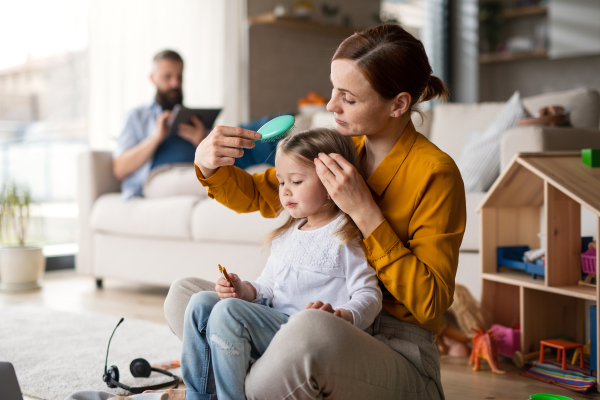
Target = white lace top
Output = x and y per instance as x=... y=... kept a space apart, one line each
x=308 y=266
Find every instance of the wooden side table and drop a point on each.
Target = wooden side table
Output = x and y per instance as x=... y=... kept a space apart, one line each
x=563 y=345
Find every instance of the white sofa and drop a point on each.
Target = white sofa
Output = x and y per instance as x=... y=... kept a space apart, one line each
x=156 y=241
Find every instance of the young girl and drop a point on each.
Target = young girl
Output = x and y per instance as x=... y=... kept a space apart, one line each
x=315 y=262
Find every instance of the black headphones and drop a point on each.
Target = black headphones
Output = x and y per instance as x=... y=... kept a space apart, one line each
x=139 y=368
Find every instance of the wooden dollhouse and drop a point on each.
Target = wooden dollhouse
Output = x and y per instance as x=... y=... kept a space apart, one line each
x=537 y=202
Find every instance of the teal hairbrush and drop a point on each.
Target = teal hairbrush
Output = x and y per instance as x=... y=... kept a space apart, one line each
x=276 y=128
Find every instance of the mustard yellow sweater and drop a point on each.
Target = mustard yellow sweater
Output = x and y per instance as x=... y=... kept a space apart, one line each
x=415 y=249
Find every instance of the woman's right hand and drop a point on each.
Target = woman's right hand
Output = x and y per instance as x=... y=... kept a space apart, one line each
x=221 y=147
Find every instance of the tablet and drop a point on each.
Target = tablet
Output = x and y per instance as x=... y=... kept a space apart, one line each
x=183 y=115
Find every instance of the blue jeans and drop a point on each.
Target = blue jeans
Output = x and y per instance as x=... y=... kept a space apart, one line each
x=220 y=338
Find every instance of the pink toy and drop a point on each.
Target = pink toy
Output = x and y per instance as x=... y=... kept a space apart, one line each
x=508 y=340
x=588 y=261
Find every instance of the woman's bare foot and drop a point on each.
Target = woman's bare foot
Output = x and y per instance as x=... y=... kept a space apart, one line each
x=174 y=394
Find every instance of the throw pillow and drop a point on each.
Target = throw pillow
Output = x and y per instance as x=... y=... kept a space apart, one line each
x=173 y=180
x=479 y=162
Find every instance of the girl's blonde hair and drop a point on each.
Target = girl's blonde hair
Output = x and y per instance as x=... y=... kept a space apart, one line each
x=304 y=147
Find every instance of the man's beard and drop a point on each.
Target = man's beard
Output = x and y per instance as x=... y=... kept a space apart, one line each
x=169 y=98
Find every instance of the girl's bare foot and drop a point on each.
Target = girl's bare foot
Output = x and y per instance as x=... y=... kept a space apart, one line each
x=173 y=394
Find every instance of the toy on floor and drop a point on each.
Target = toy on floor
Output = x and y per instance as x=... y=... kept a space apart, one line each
x=457 y=322
x=548 y=397
x=562 y=346
x=521 y=359
x=167 y=364
x=484 y=347
x=466 y=311
x=586 y=352
x=508 y=339
x=452 y=342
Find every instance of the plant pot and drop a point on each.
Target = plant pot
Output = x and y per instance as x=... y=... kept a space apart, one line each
x=21 y=267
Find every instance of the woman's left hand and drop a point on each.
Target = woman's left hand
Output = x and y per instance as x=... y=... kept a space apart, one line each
x=338 y=312
x=349 y=191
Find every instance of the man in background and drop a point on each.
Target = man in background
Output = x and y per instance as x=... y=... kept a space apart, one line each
x=150 y=159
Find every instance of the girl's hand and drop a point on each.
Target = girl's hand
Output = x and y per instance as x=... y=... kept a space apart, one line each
x=225 y=290
x=338 y=312
x=349 y=191
x=221 y=147
x=240 y=289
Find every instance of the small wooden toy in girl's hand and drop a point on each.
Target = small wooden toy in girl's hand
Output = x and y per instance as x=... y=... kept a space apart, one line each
x=226 y=275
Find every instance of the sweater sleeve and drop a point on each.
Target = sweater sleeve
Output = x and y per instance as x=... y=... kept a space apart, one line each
x=362 y=284
x=420 y=273
x=243 y=193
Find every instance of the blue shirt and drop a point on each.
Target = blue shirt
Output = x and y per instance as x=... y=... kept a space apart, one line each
x=140 y=123
x=174 y=150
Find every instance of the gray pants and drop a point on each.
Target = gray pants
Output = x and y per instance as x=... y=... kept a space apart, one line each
x=317 y=355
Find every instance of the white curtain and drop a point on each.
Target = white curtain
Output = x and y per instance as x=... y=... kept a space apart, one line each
x=126 y=34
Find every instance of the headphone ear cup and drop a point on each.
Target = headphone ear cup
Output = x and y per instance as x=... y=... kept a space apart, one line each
x=140 y=368
x=113 y=373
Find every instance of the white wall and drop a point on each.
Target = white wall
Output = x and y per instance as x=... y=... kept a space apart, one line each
x=124 y=37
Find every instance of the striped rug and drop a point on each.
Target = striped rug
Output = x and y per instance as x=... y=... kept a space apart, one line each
x=571 y=380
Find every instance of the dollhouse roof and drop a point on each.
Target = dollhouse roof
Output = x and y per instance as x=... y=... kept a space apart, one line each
x=523 y=183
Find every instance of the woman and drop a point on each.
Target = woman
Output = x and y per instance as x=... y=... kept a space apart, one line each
x=407 y=199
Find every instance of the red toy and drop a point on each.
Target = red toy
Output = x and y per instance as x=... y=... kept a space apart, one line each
x=484 y=347
x=561 y=346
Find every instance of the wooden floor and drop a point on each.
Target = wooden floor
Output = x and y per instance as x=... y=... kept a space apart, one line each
x=68 y=292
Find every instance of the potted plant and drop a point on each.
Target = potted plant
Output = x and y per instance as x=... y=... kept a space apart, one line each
x=21 y=266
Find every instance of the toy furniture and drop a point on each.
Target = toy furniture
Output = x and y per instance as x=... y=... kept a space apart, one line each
x=553 y=305
x=586 y=352
x=510 y=257
x=507 y=339
x=561 y=346
x=588 y=261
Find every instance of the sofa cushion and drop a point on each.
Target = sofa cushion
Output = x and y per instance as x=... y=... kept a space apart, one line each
x=422 y=121
x=170 y=180
x=452 y=121
x=212 y=221
x=166 y=217
x=479 y=162
x=586 y=101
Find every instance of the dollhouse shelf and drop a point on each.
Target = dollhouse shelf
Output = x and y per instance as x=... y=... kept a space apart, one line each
x=553 y=305
x=522 y=279
x=270 y=19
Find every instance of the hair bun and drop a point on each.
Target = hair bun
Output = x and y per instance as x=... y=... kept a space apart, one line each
x=435 y=88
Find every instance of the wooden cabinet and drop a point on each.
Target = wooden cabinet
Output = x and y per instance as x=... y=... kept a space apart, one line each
x=537 y=202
